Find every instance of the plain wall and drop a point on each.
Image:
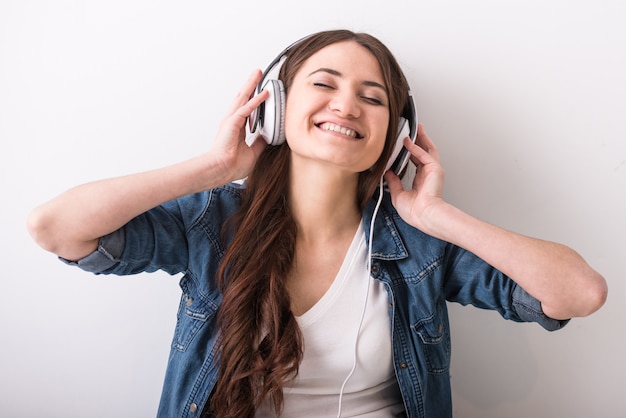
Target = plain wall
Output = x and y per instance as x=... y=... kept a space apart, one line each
x=525 y=100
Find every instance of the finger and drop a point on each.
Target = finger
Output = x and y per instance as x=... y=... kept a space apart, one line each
x=418 y=154
x=424 y=141
x=246 y=91
x=248 y=107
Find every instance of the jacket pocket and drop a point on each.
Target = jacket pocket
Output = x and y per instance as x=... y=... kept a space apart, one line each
x=434 y=340
x=193 y=313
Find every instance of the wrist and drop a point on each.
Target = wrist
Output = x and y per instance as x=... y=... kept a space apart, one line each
x=449 y=223
x=204 y=172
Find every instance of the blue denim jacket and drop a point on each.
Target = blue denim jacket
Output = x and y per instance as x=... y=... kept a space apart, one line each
x=419 y=272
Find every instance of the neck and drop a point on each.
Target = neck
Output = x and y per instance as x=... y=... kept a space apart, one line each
x=324 y=202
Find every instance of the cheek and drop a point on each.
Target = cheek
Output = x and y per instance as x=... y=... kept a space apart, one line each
x=374 y=153
x=382 y=134
x=291 y=121
x=379 y=150
x=291 y=127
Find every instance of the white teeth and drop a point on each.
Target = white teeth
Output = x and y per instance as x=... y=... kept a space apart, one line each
x=336 y=128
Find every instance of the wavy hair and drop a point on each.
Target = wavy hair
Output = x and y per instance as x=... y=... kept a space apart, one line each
x=261 y=343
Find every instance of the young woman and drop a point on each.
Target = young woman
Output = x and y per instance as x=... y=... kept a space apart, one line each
x=307 y=291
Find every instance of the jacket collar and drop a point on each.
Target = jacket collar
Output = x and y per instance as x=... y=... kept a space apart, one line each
x=387 y=244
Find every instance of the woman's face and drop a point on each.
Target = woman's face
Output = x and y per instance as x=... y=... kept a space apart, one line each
x=337 y=109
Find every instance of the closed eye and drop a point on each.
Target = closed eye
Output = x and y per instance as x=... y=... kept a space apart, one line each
x=373 y=100
x=318 y=84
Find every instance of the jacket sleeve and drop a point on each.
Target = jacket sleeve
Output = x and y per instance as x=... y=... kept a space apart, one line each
x=154 y=240
x=471 y=281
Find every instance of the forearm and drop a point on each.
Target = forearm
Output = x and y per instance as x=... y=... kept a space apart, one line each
x=71 y=224
x=553 y=273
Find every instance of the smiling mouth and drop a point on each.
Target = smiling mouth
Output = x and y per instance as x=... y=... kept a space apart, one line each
x=327 y=126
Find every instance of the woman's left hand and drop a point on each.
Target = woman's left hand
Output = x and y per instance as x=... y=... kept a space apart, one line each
x=416 y=204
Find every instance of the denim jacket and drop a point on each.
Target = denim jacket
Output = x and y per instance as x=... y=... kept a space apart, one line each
x=419 y=272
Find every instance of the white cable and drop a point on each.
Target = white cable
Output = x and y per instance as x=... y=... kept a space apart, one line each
x=369 y=279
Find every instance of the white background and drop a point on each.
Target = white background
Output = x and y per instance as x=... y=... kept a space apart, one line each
x=526 y=101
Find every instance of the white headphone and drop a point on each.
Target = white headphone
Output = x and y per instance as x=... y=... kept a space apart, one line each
x=269 y=117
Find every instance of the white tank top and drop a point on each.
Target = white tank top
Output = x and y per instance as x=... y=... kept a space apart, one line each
x=330 y=329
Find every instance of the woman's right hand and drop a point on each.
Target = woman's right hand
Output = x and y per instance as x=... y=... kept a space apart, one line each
x=229 y=148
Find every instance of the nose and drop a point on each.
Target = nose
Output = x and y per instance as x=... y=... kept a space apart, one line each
x=345 y=104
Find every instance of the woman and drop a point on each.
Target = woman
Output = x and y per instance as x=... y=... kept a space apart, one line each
x=305 y=291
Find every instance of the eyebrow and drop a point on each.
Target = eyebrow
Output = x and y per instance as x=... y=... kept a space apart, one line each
x=338 y=74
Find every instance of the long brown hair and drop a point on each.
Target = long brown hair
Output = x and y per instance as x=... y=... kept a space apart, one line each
x=261 y=343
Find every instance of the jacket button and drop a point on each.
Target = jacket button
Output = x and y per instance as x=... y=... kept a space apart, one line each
x=189 y=300
x=374 y=269
x=193 y=408
x=403 y=365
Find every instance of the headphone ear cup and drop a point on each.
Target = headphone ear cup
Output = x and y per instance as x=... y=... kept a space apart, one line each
x=399 y=156
x=273 y=120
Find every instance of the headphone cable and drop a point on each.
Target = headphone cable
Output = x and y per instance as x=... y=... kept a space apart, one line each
x=369 y=279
